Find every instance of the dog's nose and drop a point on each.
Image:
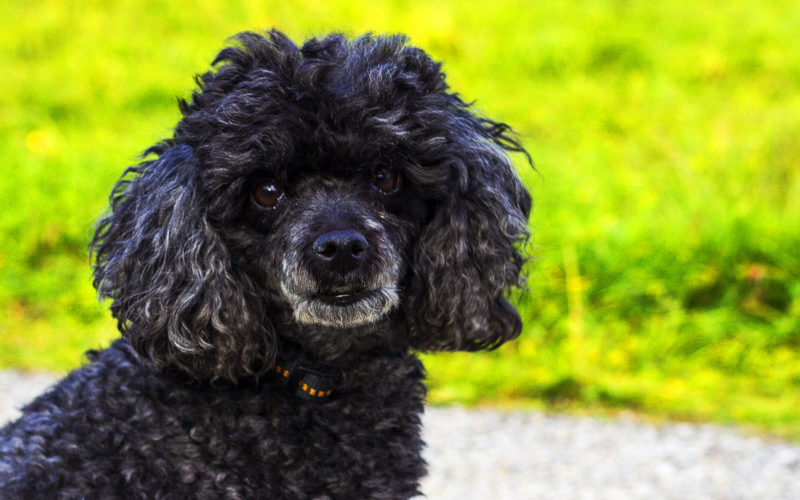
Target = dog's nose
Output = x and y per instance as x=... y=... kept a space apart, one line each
x=341 y=250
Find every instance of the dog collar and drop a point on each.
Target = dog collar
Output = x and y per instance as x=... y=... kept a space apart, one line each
x=309 y=381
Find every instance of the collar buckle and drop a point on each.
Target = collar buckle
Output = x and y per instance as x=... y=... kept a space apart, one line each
x=309 y=381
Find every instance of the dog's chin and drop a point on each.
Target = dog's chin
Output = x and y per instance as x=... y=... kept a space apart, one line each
x=343 y=309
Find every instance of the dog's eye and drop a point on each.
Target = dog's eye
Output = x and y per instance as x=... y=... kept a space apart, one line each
x=386 y=180
x=267 y=194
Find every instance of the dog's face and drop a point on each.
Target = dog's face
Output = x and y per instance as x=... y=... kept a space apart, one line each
x=329 y=230
x=339 y=248
x=337 y=185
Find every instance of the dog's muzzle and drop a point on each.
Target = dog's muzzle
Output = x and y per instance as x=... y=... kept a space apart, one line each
x=345 y=277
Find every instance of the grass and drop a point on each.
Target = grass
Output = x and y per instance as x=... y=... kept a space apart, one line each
x=666 y=277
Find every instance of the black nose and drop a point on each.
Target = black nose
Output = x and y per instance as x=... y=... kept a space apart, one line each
x=342 y=251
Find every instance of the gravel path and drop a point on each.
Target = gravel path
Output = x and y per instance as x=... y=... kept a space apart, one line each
x=488 y=454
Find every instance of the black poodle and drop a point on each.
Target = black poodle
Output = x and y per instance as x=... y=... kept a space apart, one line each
x=320 y=212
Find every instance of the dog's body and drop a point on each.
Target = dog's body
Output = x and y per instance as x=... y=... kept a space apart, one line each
x=320 y=212
x=119 y=429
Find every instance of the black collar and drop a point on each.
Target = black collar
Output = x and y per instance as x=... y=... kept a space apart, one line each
x=308 y=380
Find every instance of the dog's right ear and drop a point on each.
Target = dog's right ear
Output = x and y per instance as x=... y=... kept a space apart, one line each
x=176 y=295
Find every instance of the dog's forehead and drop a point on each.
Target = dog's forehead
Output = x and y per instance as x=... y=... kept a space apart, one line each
x=351 y=133
x=319 y=143
x=348 y=122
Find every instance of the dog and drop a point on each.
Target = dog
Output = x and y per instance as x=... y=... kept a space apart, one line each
x=321 y=213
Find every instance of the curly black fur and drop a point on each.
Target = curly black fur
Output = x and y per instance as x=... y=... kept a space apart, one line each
x=400 y=227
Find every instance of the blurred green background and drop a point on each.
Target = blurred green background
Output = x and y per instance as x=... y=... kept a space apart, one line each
x=666 y=135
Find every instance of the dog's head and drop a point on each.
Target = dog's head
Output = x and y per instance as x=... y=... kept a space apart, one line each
x=336 y=187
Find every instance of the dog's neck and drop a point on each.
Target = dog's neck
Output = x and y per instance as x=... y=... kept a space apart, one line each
x=315 y=362
x=344 y=347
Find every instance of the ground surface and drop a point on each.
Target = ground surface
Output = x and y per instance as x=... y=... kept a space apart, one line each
x=527 y=455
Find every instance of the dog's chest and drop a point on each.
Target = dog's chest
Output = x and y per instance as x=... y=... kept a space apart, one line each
x=362 y=446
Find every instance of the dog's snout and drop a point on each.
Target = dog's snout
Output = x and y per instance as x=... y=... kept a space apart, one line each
x=341 y=250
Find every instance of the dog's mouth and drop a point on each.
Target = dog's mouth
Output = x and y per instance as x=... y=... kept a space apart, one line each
x=343 y=298
x=343 y=307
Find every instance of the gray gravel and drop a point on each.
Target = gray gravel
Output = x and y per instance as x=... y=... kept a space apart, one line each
x=525 y=455
x=490 y=454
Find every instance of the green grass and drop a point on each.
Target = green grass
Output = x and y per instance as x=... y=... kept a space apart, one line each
x=666 y=277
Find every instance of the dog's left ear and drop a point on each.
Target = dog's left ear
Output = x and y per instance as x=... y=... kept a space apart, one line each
x=470 y=255
x=177 y=295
